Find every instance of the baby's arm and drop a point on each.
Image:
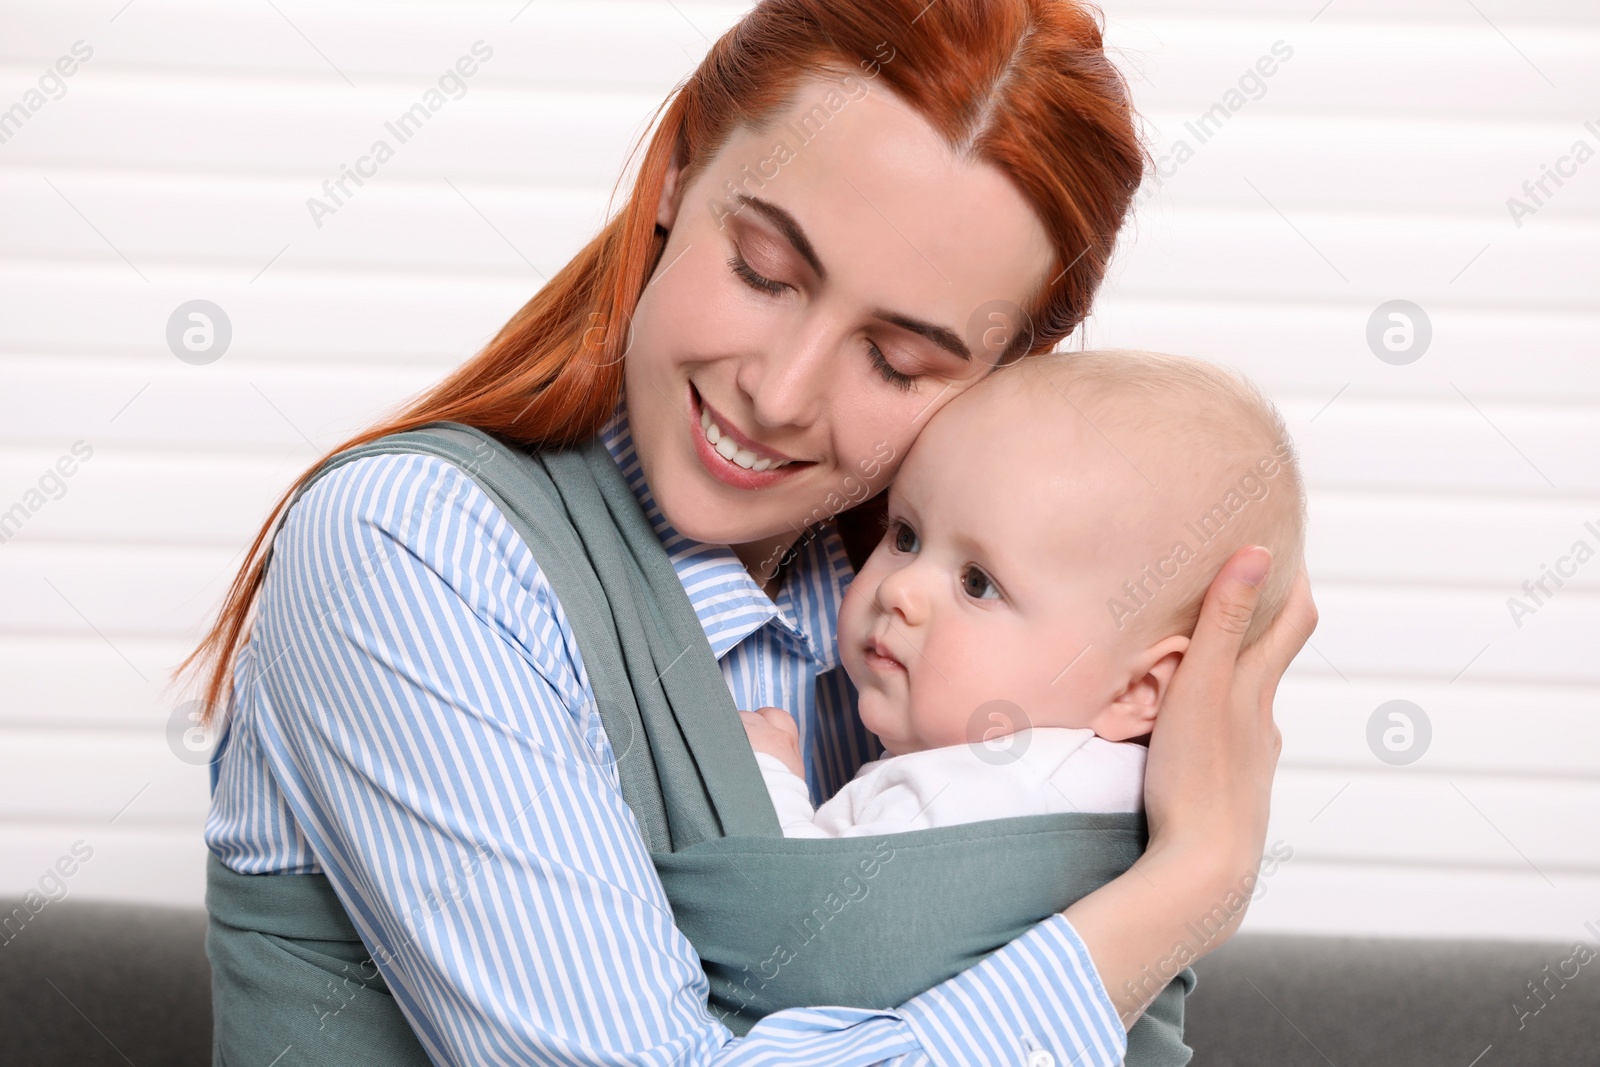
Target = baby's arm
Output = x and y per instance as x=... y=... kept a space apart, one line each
x=776 y=740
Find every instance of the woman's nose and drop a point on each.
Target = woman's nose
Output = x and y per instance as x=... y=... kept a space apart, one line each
x=788 y=385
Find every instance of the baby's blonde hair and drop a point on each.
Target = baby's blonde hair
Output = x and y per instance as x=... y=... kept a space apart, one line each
x=1179 y=403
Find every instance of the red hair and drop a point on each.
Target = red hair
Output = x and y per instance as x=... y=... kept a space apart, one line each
x=1024 y=85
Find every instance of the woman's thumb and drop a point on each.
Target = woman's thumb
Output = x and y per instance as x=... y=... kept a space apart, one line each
x=1231 y=601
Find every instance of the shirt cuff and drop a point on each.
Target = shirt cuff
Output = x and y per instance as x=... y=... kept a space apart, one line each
x=783 y=784
x=1037 y=1002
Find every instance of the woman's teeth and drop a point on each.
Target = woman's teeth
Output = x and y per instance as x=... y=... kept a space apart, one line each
x=733 y=453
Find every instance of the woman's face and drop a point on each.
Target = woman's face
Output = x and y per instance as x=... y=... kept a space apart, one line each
x=828 y=284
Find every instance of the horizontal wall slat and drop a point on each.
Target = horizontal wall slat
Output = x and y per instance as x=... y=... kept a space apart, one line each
x=76 y=682
x=195 y=407
x=1429 y=634
x=1361 y=65
x=75 y=775
x=597 y=46
x=1507 y=13
x=1369 y=900
x=1315 y=254
x=1320 y=347
x=1386 y=164
x=1386 y=815
x=1427 y=67
x=298 y=315
x=139 y=864
x=1478 y=727
x=427 y=226
x=123 y=497
x=1455 y=443
x=301 y=128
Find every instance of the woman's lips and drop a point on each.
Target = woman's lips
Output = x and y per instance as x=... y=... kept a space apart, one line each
x=726 y=470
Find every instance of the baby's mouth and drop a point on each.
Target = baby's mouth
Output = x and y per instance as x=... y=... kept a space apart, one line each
x=879 y=658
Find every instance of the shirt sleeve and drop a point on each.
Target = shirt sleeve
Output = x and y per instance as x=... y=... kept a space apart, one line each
x=790 y=798
x=420 y=700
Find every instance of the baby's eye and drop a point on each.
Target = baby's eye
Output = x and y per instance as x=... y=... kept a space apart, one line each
x=902 y=537
x=978 y=585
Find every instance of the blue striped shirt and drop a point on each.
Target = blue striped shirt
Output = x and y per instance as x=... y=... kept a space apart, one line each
x=412 y=718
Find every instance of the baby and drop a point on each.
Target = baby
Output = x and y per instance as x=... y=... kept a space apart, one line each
x=1050 y=539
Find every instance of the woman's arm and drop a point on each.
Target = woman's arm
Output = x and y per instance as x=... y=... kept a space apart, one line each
x=421 y=702
x=1208 y=786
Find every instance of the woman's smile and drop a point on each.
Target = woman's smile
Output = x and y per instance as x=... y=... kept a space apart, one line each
x=733 y=457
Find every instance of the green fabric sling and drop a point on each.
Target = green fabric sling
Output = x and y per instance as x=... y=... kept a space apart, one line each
x=778 y=923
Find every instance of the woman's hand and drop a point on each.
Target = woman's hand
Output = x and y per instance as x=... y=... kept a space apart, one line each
x=774 y=731
x=1208 y=788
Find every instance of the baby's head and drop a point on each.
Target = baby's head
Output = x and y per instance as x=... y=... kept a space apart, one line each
x=1052 y=535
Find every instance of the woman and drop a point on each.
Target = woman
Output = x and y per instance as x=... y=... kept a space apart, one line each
x=823 y=224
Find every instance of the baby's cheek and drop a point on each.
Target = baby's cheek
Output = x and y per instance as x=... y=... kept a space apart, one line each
x=974 y=695
x=946 y=700
x=850 y=606
x=852 y=631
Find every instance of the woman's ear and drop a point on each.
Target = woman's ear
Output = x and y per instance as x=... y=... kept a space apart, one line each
x=1132 y=712
x=667 y=209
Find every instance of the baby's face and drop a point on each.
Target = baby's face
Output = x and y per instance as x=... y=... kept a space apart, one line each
x=1012 y=523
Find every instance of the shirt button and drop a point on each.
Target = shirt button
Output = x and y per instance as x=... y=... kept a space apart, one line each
x=1041 y=1058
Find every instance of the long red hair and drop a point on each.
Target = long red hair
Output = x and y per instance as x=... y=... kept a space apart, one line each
x=1024 y=85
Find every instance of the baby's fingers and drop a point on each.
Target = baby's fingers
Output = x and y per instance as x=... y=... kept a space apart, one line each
x=780 y=720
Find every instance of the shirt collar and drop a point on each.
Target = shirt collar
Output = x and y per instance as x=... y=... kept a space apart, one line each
x=728 y=602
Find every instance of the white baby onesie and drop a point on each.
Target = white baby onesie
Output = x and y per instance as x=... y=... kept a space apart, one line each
x=1041 y=771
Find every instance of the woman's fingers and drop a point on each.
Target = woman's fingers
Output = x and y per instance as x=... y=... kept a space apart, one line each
x=1209 y=769
x=1284 y=639
x=1209 y=663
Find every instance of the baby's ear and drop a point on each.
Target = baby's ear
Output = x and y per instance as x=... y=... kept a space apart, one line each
x=1132 y=712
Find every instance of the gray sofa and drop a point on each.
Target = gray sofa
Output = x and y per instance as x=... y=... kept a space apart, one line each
x=89 y=984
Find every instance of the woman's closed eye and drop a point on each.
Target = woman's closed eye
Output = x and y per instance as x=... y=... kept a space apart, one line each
x=888 y=371
x=978 y=585
x=754 y=278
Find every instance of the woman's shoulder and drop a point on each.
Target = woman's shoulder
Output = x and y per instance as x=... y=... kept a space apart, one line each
x=415 y=498
x=384 y=513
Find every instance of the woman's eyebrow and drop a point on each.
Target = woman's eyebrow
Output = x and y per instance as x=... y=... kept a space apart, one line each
x=789 y=226
x=942 y=336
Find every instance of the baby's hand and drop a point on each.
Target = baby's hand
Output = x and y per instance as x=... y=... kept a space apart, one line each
x=773 y=731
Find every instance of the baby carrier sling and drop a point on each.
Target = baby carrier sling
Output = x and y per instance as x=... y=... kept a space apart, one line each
x=866 y=922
